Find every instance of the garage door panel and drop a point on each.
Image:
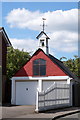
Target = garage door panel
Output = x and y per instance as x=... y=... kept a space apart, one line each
x=46 y=84
x=26 y=93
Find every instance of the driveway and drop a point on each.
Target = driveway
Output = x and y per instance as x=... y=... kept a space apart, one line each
x=0 y=112
x=24 y=112
x=16 y=111
x=71 y=117
x=28 y=112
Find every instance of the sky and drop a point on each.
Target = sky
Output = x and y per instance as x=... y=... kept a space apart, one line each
x=39 y=0
x=22 y=22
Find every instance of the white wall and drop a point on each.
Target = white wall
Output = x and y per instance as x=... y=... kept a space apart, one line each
x=41 y=84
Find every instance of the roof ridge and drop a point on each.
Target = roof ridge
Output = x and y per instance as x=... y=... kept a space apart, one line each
x=41 y=33
x=55 y=58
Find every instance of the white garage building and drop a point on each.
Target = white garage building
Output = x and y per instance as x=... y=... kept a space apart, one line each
x=39 y=73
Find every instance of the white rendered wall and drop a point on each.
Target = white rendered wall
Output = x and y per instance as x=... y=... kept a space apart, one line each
x=41 y=86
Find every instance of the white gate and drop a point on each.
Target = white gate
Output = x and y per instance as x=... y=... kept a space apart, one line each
x=58 y=95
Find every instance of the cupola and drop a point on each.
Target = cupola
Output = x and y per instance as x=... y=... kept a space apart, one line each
x=43 y=40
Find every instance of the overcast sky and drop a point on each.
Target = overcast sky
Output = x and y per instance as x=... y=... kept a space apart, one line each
x=22 y=22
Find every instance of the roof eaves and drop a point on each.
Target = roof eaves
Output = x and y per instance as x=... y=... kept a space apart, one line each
x=43 y=33
x=6 y=37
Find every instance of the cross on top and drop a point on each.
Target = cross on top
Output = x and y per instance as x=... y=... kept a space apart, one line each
x=43 y=23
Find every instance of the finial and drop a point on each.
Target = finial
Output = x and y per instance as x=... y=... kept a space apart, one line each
x=43 y=23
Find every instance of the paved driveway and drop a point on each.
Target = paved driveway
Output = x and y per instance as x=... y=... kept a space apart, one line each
x=16 y=111
x=71 y=117
x=0 y=112
x=28 y=112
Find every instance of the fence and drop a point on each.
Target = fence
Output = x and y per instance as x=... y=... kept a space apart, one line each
x=58 y=95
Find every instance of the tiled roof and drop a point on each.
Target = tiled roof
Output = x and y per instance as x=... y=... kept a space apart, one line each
x=62 y=66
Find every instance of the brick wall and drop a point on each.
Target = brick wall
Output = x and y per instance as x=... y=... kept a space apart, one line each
x=0 y=49
x=0 y=68
x=4 y=52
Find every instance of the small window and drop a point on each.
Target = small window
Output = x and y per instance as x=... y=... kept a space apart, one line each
x=42 y=42
x=39 y=67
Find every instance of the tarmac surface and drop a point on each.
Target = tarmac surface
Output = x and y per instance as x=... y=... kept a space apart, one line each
x=75 y=116
x=0 y=112
x=28 y=112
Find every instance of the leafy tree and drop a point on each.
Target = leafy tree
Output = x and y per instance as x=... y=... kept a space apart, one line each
x=74 y=65
x=15 y=60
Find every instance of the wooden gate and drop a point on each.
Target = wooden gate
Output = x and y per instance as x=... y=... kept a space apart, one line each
x=58 y=95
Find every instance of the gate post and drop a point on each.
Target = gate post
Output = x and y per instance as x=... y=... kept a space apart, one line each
x=70 y=93
x=37 y=100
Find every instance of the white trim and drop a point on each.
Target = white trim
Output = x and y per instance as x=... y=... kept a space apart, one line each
x=5 y=37
x=13 y=94
x=42 y=78
x=68 y=80
x=36 y=110
x=1 y=30
x=40 y=85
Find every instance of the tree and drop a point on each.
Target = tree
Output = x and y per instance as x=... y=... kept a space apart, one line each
x=15 y=60
x=74 y=65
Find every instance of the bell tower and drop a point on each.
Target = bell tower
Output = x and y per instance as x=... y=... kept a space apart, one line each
x=43 y=39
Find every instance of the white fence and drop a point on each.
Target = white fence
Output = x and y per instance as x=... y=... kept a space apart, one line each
x=58 y=95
